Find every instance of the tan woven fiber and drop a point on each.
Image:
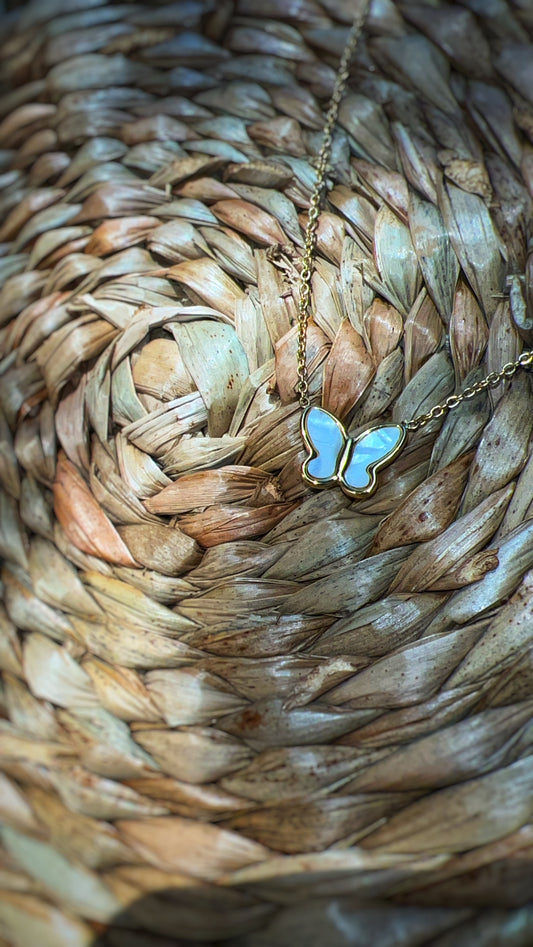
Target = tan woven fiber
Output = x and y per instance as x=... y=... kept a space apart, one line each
x=236 y=710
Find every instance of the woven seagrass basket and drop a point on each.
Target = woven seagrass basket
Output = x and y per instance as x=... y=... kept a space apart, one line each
x=236 y=710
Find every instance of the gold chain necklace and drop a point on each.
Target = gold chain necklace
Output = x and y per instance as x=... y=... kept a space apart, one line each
x=333 y=457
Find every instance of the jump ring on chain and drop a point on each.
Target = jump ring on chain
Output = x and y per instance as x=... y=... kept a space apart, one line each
x=509 y=369
x=492 y=380
x=453 y=400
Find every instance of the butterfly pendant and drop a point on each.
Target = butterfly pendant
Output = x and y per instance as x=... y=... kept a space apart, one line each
x=352 y=463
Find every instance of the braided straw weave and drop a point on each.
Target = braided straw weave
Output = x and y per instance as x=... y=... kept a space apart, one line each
x=236 y=709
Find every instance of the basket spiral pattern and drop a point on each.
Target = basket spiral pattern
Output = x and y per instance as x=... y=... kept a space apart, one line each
x=235 y=710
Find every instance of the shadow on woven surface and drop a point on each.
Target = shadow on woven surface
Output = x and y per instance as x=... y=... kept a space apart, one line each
x=181 y=917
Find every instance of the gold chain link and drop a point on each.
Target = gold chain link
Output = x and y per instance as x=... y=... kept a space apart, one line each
x=492 y=380
x=306 y=271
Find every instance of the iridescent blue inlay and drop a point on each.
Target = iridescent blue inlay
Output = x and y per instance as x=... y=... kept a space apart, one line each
x=370 y=449
x=335 y=457
x=327 y=438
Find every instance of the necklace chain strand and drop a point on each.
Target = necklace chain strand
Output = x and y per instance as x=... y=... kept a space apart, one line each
x=492 y=380
x=306 y=272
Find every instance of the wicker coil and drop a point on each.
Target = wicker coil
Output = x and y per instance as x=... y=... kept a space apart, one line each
x=237 y=710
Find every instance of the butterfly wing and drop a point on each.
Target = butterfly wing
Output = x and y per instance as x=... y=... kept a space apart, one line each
x=325 y=439
x=367 y=454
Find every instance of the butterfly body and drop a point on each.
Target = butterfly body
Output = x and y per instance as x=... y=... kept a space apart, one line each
x=352 y=463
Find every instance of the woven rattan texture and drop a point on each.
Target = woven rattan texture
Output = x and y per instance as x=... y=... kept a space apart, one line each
x=234 y=708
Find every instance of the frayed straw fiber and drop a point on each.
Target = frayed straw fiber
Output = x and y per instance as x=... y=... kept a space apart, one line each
x=236 y=710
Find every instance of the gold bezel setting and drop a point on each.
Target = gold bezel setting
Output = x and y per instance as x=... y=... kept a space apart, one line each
x=345 y=453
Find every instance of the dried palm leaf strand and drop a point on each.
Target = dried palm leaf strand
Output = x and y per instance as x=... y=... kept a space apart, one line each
x=230 y=702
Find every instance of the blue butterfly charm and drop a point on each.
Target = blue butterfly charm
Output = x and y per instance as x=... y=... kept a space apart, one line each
x=351 y=463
